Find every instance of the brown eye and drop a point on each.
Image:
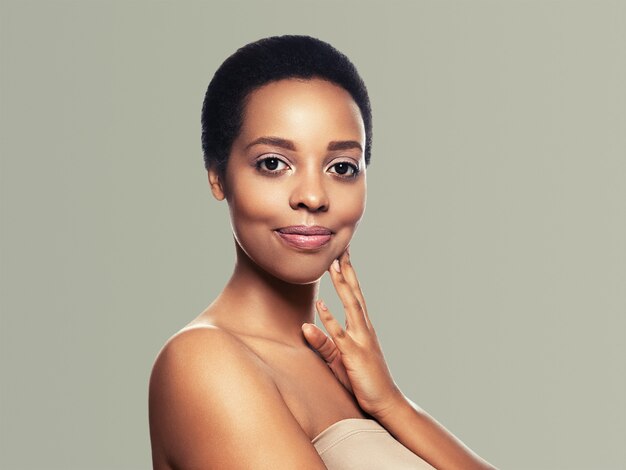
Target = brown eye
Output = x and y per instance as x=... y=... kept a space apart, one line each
x=271 y=164
x=345 y=169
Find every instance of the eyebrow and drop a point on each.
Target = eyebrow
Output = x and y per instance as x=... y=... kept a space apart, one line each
x=275 y=141
x=344 y=145
x=289 y=145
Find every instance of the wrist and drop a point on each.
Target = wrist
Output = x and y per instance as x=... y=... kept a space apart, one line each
x=395 y=402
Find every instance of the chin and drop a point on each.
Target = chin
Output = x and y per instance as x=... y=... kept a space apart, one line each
x=298 y=275
x=291 y=268
x=301 y=280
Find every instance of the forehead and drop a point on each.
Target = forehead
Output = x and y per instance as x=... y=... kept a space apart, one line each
x=302 y=110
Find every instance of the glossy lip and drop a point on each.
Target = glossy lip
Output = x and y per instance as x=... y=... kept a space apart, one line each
x=305 y=237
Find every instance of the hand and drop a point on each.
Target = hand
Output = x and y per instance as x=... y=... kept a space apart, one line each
x=353 y=354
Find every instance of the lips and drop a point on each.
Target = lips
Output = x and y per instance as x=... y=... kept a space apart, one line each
x=305 y=237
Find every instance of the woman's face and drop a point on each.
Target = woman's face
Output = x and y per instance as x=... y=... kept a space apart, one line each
x=295 y=180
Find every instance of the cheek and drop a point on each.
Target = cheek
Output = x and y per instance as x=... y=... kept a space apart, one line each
x=350 y=205
x=252 y=204
x=349 y=210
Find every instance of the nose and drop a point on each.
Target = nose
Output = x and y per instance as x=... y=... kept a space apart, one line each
x=310 y=193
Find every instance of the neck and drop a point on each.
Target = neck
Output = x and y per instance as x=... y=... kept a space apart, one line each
x=256 y=303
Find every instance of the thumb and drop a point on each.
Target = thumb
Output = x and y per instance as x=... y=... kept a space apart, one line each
x=320 y=341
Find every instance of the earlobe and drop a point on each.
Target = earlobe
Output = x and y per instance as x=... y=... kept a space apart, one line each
x=215 y=182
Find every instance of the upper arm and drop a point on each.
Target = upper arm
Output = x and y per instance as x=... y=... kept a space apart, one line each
x=213 y=406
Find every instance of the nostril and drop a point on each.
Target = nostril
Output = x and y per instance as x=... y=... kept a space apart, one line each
x=310 y=197
x=312 y=207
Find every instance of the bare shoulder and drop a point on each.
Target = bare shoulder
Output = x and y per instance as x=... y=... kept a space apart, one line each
x=213 y=404
x=205 y=350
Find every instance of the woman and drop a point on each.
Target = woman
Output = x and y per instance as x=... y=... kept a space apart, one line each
x=252 y=383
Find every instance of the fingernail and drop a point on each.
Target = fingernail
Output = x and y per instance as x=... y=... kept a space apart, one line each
x=335 y=266
x=323 y=305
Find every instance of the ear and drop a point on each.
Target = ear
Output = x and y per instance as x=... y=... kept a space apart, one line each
x=215 y=181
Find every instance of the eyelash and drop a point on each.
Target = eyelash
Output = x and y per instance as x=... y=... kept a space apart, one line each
x=258 y=164
x=269 y=172
x=355 y=170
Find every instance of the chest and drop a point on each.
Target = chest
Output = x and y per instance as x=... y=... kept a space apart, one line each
x=310 y=390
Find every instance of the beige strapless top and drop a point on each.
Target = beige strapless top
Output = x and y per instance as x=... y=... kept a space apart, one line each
x=363 y=444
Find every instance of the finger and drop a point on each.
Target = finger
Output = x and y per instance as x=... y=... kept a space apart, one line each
x=347 y=269
x=355 y=314
x=320 y=342
x=328 y=351
x=336 y=332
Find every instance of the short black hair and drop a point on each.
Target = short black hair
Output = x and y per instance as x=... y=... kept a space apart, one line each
x=264 y=61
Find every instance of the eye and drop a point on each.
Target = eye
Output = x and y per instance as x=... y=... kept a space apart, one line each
x=345 y=169
x=271 y=165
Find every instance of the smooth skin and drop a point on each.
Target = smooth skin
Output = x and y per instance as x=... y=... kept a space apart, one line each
x=251 y=381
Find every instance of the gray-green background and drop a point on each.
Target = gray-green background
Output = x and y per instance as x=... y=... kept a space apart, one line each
x=492 y=253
